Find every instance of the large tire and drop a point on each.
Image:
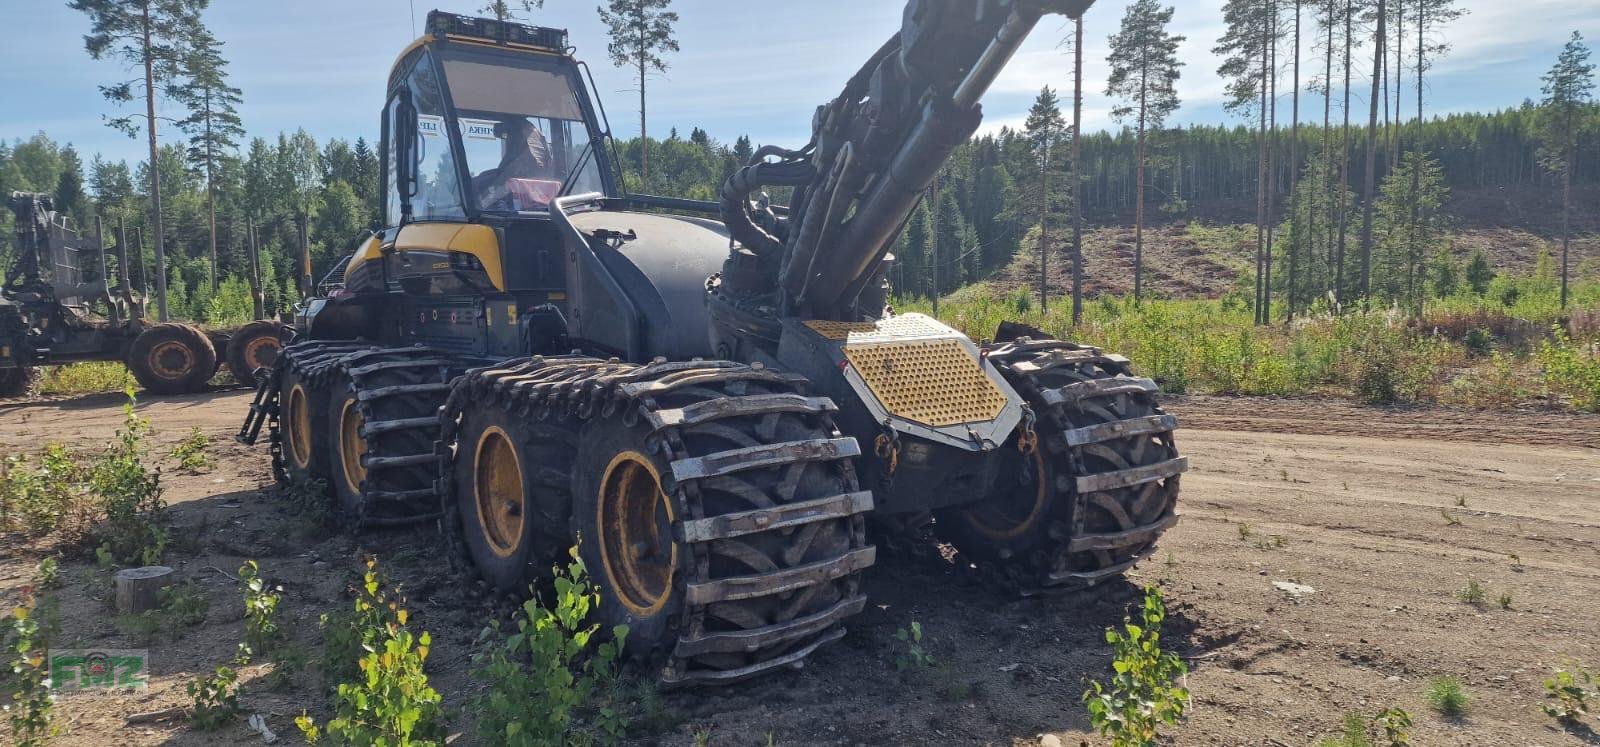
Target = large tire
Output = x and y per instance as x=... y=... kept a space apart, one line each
x=1096 y=491
x=254 y=346
x=305 y=450
x=513 y=493
x=715 y=506
x=300 y=447
x=172 y=358
x=382 y=424
x=18 y=381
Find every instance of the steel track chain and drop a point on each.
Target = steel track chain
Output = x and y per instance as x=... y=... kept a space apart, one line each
x=1105 y=385
x=581 y=388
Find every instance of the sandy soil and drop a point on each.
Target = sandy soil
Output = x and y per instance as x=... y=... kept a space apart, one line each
x=1386 y=514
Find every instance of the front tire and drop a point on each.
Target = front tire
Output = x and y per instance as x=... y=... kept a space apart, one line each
x=172 y=358
x=714 y=505
x=1092 y=495
x=513 y=495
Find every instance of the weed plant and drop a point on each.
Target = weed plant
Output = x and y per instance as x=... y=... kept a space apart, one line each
x=555 y=679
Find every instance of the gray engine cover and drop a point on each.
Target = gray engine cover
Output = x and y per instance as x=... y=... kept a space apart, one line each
x=663 y=274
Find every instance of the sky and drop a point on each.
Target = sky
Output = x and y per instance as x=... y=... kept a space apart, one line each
x=755 y=67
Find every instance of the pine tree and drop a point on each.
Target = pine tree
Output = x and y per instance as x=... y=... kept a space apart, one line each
x=1567 y=88
x=366 y=181
x=150 y=35
x=1246 y=65
x=641 y=32
x=1077 y=178
x=213 y=123
x=1044 y=128
x=1369 y=193
x=1144 y=75
x=1410 y=229
x=70 y=198
x=1478 y=273
x=510 y=10
x=1294 y=156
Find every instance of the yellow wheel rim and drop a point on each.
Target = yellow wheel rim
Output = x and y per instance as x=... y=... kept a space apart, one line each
x=171 y=360
x=352 y=446
x=299 y=427
x=261 y=352
x=1004 y=519
x=636 y=546
x=497 y=482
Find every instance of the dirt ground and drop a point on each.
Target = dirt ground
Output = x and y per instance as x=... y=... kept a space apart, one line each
x=1386 y=514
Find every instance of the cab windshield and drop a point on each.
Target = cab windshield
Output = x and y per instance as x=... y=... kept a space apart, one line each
x=523 y=133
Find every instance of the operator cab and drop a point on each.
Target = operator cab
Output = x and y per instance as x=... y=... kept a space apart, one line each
x=486 y=127
x=493 y=119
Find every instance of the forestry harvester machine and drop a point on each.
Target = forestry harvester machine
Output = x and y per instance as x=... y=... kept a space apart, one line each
x=710 y=399
x=59 y=305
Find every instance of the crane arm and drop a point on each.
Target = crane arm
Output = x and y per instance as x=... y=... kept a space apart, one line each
x=873 y=151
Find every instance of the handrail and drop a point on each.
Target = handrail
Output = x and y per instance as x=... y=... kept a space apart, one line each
x=634 y=345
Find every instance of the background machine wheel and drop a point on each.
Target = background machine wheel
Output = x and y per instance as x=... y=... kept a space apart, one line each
x=1085 y=492
x=254 y=346
x=172 y=358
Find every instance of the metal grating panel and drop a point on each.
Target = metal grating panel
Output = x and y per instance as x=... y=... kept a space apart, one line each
x=895 y=327
x=937 y=382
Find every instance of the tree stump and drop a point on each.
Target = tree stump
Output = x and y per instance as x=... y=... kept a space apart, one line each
x=137 y=588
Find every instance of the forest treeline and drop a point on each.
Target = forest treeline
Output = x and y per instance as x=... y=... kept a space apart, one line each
x=331 y=188
x=985 y=204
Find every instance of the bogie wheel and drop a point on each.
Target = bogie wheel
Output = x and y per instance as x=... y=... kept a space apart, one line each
x=1089 y=491
x=513 y=494
x=18 y=381
x=382 y=423
x=305 y=446
x=255 y=345
x=774 y=534
x=172 y=358
x=346 y=448
x=713 y=504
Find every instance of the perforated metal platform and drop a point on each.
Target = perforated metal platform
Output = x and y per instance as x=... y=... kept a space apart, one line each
x=936 y=382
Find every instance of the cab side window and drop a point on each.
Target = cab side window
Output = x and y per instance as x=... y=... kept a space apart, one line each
x=439 y=193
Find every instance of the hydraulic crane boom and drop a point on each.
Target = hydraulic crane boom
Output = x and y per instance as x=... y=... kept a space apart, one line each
x=873 y=151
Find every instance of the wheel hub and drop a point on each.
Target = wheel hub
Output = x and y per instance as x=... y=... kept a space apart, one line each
x=352 y=447
x=299 y=422
x=1019 y=510
x=498 y=482
x=171 y=360
x=636 y=545
x=261 y=352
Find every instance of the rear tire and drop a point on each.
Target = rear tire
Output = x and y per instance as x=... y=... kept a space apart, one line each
x=342 y=424
x=18 y=381
x=254 y=346
x=305 y=451
x=172 y=358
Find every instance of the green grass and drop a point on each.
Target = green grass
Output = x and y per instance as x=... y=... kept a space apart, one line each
x=86 y=378
x=1380 y=356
